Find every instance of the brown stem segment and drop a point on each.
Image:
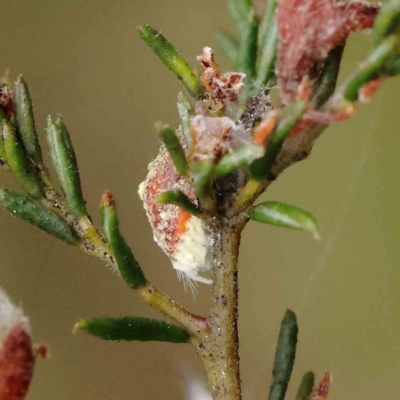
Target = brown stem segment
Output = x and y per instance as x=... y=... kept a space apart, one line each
x=220 y=350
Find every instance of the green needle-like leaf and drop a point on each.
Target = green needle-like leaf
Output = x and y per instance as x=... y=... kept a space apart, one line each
x=266 y=69
x=267 y=21
x=133 y=329
x=171 y=59
x=260 y=169
x=387 y=22
x=185 y=111
x=64 y=160
x=371 y=67
x=268 y=42
x=19 y=163
x=239 y=10
x=237 y=158
x=229 y=45
x=178 y=198
x=174 y=148
x=394 y=68
x=247 y=57
x=326 y=83
x=202 y=174
x=25 y=120
x=22 y=207
x=306 y=386
x=284 y=357
x=126 y=261
x=284 y=215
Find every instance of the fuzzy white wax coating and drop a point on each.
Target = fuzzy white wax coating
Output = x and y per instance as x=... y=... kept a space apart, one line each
x=10 y=315
x=214 y=137
x=193 y=253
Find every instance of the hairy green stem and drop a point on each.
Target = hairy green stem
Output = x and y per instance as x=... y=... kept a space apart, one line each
x=220 y=350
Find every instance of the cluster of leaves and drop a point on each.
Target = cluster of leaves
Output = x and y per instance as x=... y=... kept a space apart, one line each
x=305 y=65
x=64 y=214
x=256 y=158
x=308 y=59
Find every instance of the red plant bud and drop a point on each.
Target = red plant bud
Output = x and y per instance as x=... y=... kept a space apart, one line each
x=308 y=30
x=322 y=390
x=16 y=363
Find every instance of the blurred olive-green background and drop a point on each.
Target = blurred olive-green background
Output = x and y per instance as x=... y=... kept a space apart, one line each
x=84 y=59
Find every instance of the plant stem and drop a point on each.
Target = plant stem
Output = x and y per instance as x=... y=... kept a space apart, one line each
x=220 y=350
x=154 y=297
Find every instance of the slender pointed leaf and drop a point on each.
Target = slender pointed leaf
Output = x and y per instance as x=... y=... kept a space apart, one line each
x=260 y=169
x=19 y=164
x=126 y=261
x=171 y=59
x=267 y=22
x=178 y=198
x=133 y=329
x=185 y=110
x=174 y=147
x=64 y=160
x=284 y=215
x=268 y=43
x=37 y=215
x=284 y=357
x=387 y=21
x=247 y=56
x=239 y=10
x=266 y=69
x=306 y=386
x=326 y=83
x=371 y=67
x=202 y=174
x=229 y=45
x=394 y=68
x=25 y=120
x=237 y=158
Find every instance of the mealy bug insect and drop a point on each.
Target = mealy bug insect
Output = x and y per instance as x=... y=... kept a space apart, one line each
x=181 y=236
x=184 y=237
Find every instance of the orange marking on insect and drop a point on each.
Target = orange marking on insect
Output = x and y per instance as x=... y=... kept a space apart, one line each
x=181 y=225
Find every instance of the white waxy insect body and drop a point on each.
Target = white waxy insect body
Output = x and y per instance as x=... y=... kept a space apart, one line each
x=181 y=236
